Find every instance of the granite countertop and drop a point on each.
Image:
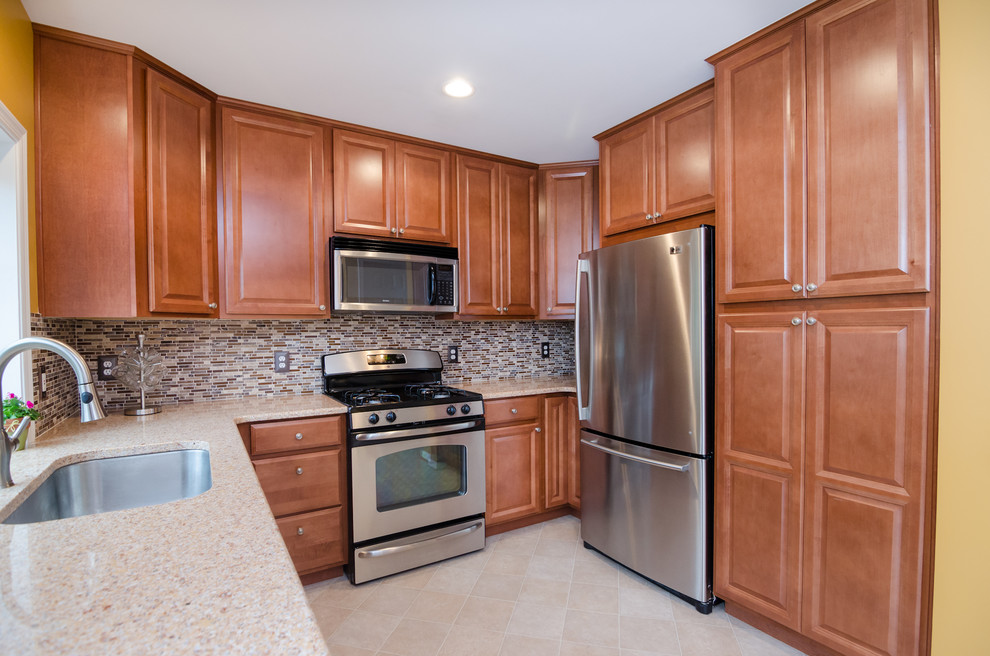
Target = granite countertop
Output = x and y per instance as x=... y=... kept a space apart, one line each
x=203 y=575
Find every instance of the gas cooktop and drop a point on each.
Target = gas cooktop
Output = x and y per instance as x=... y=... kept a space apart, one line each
x=400 y=396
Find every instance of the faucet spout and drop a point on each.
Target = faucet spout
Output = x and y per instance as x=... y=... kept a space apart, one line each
x=89 y=402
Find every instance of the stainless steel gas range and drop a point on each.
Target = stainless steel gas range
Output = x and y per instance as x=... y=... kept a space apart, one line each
x=416 y=460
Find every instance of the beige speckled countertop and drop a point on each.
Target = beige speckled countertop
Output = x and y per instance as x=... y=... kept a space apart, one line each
x=207 y=575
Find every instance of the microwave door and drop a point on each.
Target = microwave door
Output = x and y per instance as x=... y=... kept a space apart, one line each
x=431 y=294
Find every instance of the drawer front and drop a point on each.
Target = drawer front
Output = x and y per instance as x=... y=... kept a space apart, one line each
x=300 y=483
x=314 y=539
x=507 y=411
x=295 y=434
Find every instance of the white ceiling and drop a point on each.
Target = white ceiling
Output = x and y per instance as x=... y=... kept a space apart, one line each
x=549 y=74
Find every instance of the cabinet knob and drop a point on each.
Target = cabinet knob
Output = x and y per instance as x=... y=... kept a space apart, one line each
x=323 y=307
x=393 y=231
x=796 y=321
x=656 y=217
x=811 y=287
x=539 y=430
x=649 y=217
x=299 y=531
x=812 y=321
x=299 y=470
x=298 y=436
x=796 y=288
x=514 y=411
x=402 y=231
x=549 y=309
x=212 y=306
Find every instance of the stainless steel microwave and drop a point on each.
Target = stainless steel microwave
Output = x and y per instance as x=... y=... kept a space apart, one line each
x=373 y=275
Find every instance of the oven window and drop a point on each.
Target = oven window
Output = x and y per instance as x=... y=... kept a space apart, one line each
x=420 y=475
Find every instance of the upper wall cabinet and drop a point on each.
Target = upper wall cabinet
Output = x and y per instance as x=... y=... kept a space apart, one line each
x=847 y=90
x=497 y=238
x=275 y=233
x=126 y=200
x=659 y=168
x=568 y=227
x=388 y=188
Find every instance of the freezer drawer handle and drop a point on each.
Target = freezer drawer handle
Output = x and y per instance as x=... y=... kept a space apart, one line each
x=391 y=551
x=628 y=456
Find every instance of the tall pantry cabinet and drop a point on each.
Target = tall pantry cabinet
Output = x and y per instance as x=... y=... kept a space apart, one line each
x=825 y=439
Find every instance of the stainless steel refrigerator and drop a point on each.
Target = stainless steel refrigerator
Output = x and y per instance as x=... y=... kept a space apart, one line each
x=644 y=342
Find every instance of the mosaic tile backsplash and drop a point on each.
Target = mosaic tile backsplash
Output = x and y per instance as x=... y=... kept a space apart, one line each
x=224 y=359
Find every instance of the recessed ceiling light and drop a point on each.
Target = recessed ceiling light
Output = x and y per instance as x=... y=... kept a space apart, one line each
x=458 y=88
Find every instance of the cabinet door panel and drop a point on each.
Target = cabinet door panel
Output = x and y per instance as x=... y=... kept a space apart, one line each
x=315 y=539
x=274 y=233
x=478 y=212
x=572 y=435
x=364 y=184
x=685 y=136
x=518 y=238
x=181 y=207
x=423 y=193
x=301 y=483
x=869 y=180
x=865 y=479
x=513 y=461
x=567 y=230
x=760 y=180
x=760 y=438
x=555 y=446
x=628 y=170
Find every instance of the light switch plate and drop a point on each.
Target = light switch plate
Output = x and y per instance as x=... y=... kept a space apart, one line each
x=282 y=362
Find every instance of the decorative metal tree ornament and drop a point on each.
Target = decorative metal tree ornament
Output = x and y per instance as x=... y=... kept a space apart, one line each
x=140 y=369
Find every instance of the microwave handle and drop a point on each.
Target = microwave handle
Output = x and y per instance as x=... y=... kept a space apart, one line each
x=432 y=291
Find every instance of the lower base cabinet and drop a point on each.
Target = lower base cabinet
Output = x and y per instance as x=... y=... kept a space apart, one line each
x=530 y=444
x=301 y=466
x=822 y=477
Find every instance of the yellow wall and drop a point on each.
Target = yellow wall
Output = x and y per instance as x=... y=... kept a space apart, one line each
x=17 y=93
x=961 y=625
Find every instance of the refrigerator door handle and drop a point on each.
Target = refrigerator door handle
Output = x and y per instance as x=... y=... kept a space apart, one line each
x=594 y=444
x=582 y=322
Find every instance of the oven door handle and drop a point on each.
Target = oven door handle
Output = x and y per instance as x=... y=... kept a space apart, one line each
x=391 y=551
x=419 y=432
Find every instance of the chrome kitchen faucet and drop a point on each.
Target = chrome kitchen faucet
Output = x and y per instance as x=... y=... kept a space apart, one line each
x=89 y=403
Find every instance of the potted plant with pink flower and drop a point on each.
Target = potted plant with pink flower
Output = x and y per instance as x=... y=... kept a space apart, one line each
x=14 y=411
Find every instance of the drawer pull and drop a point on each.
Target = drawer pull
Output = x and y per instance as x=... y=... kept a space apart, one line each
x=298 y=436
x=514 y=411
x=299 y=470
x=299 y=531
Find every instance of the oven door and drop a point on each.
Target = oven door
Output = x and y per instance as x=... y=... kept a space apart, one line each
x=416 y=482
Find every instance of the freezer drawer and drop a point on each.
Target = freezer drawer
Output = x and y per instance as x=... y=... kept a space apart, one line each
x=649 y=510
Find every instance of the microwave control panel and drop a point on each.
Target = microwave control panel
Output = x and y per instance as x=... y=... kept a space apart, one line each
x=445 y=285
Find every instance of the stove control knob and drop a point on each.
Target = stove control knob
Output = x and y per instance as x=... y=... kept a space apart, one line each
x=451 y=410
x=373 y=418
x=390 y=416
x=465 y=408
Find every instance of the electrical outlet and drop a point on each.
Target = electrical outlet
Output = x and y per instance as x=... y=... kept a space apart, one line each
x=43 y=376
x=105 y=367
x=453 y=355
x=545 y=349
x=282 y=362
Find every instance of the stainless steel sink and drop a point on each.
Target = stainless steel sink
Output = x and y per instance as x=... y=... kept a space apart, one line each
x=98 y=486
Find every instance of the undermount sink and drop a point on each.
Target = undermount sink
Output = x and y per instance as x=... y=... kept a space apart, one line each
x=98 y=486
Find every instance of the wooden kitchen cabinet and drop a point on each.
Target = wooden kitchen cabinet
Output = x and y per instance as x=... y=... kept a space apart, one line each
x=388 y=188
x=821 y=481
x=568 y=227
x=275 y=230
x=868 y=150
x=572 y=439
x=497 y=238
x=561 y=471
x=126 y=183
x=659 y=167
x=300 y=464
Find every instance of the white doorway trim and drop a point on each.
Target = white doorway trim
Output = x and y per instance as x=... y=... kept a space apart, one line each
x=15 y=161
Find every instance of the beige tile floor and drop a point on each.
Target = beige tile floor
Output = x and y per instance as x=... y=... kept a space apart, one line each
x=530 y=592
